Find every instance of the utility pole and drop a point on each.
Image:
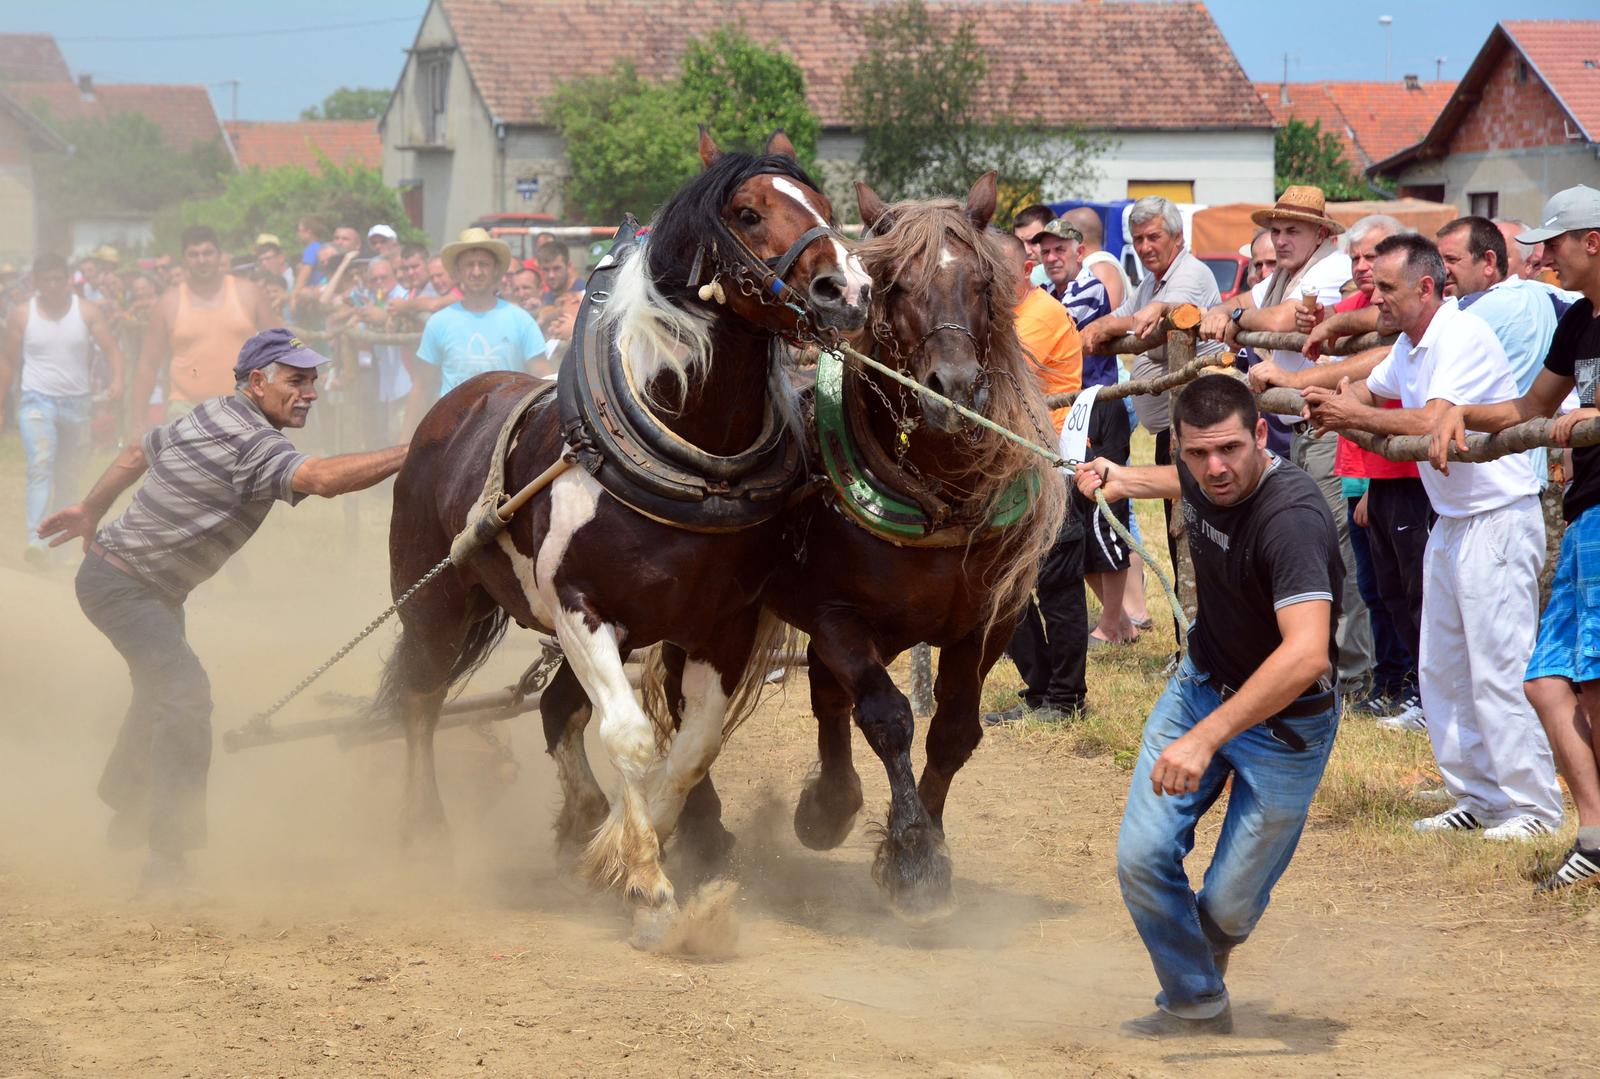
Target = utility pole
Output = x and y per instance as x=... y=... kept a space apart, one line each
x=234 y=83
x=1438 y=68
x=1387 y=22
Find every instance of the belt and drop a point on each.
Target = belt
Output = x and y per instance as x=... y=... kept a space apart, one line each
x=115 y=561
x=1312 y=704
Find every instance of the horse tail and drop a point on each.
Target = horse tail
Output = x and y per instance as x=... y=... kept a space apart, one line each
x=403 y=672
x=774 y=648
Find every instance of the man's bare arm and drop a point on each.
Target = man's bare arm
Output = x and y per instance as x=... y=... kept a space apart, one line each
x=81 y=519
x=153 y=356
x=330 y=476
x=1127 y=481
x=1328 y=375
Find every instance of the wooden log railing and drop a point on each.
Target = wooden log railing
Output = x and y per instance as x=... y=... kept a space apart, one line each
x=1265 y=340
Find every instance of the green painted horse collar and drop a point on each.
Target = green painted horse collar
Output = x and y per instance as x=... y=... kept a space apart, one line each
x=874 y=505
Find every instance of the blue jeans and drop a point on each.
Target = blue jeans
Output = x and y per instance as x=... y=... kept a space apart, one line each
x=1273 y=785
x=1393 y=668
x=157 y=769
x=55 y=434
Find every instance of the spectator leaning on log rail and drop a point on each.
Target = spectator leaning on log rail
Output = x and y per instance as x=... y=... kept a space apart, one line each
x=1252 y=703
x=1567 y=653
x=1480 y=593
x=213 y=475
x=481 y=332
x=196 y=327
x=1311 y=271
x=1388 y=520
x=1173 y=277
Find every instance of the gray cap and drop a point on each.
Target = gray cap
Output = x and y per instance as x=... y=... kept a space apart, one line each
x=1569 y=210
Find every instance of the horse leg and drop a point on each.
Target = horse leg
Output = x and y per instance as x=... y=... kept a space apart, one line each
x=955 y=730
x=700 y=834
x=566 y=711
x=831 y=796
x=418 y=677
x=911 y=866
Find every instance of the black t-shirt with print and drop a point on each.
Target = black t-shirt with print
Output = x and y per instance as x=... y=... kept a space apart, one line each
x=1275 y=548
x=1575 y=353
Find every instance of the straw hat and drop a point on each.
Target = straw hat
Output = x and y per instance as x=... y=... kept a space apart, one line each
x=1299 y=203
x=476 y=238
x=106 y=253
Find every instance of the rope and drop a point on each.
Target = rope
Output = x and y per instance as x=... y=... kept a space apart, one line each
x=1049 y=455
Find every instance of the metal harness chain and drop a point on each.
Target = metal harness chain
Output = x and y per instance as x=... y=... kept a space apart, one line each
x=263 y=718
x=1049 y=455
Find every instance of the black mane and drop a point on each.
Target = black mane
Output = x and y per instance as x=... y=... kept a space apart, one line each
x=695 y=213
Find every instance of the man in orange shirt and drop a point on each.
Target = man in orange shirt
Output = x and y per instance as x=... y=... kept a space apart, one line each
x=1051 y=642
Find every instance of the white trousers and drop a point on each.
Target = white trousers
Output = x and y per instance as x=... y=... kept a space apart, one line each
x=1480 y=615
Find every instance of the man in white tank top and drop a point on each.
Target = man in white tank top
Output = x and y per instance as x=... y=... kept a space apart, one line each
x=52 y=339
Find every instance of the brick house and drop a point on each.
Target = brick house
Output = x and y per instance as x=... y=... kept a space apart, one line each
x=1371 y=120
x=464 y=133
x=1523 y=123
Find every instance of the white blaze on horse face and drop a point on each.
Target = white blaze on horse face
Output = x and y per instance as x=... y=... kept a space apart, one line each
x=694 y=748
x=856 y=281
x=945 y=257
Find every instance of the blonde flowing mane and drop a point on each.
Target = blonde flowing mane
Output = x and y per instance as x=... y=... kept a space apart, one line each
x=908 y=253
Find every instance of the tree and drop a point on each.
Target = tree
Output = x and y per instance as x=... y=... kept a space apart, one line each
x=1303 y=153
x=273 y=200
x=121 y=163
x=349 y=103
x=920 y=95
x=631 y=142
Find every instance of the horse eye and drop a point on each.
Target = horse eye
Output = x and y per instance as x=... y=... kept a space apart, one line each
x=748 y=216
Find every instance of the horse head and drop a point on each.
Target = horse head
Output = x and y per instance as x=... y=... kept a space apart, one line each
x=766 y=245
x=937 y=281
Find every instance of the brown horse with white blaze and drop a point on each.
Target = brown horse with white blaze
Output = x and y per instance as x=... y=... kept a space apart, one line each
x=580 y=562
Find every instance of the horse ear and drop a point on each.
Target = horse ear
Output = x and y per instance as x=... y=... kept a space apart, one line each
x=708 y=148
x=871 y=206
x=780 y=145
x=982 y=198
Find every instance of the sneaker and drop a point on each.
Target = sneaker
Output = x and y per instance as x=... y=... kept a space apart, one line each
x=1522 y=827
x=1052 y=714
x=1399 y=704
x=1578 y=867
x=1160 y=1024
x=998 y=719
x=1451 y=820
x=1376 y=703
x=1409 y=718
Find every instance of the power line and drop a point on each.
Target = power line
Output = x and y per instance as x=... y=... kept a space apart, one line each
x=240 y=33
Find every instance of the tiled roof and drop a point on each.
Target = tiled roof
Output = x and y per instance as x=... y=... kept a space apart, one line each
x=183 y=113
x=1566 y=54
x=31 y=58
x=1372 y=120
x=269 y=145
x=1135 y=65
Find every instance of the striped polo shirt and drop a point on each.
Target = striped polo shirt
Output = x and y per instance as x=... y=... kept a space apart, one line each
x=213 y=476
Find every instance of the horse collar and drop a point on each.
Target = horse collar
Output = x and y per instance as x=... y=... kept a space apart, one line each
x=614 y=435
x=866 y=500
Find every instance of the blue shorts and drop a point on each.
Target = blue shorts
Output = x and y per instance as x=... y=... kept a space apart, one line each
x=1569 y=633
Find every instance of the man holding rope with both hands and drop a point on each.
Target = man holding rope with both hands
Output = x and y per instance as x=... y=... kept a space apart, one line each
x=1253 y=700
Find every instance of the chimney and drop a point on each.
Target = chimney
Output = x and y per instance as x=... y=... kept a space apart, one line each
x=1283 y=93
x=1413 y=82
x=86 y=87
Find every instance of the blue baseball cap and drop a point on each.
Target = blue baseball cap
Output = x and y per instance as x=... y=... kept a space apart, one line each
x=275 y=346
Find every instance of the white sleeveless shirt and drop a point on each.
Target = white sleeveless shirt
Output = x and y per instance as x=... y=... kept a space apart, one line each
x=55 y=354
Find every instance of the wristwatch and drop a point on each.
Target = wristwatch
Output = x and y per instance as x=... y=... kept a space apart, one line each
x=1238 y=313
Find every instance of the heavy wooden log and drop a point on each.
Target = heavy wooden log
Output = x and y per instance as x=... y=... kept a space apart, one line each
x=1293 y=342
x=1185 y=316
x=1174 y=378
x=1529 y=435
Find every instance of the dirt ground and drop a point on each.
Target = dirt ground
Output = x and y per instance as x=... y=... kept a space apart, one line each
x=311 y=948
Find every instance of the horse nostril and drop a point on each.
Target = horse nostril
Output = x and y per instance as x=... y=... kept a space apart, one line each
x=827 y=289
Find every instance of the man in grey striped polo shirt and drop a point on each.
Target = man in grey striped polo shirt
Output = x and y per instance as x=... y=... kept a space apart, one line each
x=213 y=475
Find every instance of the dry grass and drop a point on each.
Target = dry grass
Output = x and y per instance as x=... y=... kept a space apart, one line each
x=1368 y=797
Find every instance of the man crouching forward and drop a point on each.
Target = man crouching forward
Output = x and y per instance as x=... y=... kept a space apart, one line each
x=1252 y=699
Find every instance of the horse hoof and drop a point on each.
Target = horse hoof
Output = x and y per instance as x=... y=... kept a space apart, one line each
x=825 y=815
x=706 y=926
x=915 y=874
x=652 y=926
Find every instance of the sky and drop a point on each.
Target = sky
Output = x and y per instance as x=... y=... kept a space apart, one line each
x=290 y=54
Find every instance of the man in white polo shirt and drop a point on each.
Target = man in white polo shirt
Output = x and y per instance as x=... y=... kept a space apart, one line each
x=1480 y=593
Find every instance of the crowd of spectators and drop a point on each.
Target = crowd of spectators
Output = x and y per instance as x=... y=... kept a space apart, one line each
x=99 y=349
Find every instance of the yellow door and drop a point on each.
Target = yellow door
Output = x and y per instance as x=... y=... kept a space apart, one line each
x=1171 y=190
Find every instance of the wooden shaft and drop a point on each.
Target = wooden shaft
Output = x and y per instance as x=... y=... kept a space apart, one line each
x=1263 y=340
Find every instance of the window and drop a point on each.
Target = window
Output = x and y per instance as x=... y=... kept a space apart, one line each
x=1483 y=203
x=1171 y=190
x=1426 y=192
x=433 y=79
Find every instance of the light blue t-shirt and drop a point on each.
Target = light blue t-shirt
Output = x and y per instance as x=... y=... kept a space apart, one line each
x=1523 y=315
x=464 y=343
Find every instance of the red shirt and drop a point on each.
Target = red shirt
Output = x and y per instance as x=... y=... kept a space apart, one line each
x=1351 y=460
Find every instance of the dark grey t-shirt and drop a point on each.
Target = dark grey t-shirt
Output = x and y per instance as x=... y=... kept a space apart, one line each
x=1275 y=548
